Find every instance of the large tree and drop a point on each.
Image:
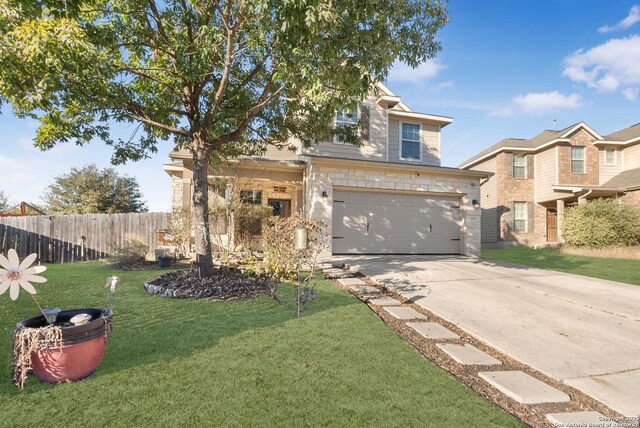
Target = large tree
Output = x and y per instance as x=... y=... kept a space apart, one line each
x=4 y=202
x=221 y=78
x=89 y=190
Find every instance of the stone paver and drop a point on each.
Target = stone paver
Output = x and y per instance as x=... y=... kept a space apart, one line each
x=364 y=289
x=337 y=273
x=586 y=419
x=524 y=388
x=384 y=301
x=403 y=313
x=433 y=330
x=577 y=330
x=468 y=354
x=350 y=281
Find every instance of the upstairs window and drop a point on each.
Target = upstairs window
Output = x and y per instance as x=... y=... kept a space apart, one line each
x=610 y=156
x=345 y=118
x=577 y=160
x=410 y=143
x=519 y=166
x=519 y=216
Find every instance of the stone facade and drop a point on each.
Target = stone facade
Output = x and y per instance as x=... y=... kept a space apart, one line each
x=176 y=193
x=324 y=179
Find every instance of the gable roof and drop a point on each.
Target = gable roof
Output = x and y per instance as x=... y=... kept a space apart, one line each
x=627 y=180
x=626 y=135
x=546 y=137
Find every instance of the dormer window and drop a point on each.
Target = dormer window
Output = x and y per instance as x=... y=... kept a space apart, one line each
x=345 y=118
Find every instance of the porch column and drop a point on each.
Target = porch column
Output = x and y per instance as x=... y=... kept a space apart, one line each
x=560 y=211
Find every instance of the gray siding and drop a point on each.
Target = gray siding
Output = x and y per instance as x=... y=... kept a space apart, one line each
x=430 y=140
x=607 y=172
x=632 y=157
x=489 y=202
x=545 y=169
x=375 y=150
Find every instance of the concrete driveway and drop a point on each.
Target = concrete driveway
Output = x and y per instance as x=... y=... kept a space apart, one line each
x=582 y=331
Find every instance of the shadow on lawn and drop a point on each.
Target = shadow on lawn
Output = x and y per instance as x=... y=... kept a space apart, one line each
x=148 y=329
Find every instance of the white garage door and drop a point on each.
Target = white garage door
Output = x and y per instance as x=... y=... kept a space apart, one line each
x=393 y=223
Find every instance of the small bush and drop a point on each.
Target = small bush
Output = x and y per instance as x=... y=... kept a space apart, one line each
x=131 y=255
x=601 y=223
x=281 y=258
x=180 y=228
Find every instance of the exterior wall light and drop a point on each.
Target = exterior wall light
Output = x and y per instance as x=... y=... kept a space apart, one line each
x=475 y=203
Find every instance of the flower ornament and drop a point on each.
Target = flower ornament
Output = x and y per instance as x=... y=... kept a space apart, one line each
x=14 y=274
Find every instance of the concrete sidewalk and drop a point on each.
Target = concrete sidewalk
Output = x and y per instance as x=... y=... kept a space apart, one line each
x=582 y=331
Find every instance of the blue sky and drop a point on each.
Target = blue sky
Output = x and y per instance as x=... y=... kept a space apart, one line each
x=508 y=68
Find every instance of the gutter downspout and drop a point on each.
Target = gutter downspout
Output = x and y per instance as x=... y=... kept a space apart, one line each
x=583 y=199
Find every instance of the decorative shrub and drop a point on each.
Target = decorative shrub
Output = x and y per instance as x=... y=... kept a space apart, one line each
x=281 y=259
x=131 y=255
x=250 y=221
x=180 y=228
x=601 y=223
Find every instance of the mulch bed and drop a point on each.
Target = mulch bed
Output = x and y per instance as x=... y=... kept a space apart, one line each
x=533 y=415
x=225 y=284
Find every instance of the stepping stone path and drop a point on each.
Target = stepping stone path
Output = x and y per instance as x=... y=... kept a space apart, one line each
x=403 y=313
x=336 y=273
x=523 y=388
x=516 y=384
x=364 y=289
x=468 y=355
x=432 y=330
x=351 y=281
x=578 y=419
x=383 y=301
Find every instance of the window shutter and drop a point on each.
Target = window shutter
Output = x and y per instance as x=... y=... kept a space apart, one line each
x=530 y=217
x=509 y=160
x=364 y=125
x=529 y=166
x=511 y=217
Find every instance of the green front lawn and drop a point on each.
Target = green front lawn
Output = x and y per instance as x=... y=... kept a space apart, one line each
x=621 y=270
x=235 y=363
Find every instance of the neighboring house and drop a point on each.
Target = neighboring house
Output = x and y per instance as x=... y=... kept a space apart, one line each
x=534 y=180
x=388 y=196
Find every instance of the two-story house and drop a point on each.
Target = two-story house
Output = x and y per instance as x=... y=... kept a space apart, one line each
x=390 y=195
x=534 y=180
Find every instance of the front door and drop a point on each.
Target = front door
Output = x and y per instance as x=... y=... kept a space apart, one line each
x=552 y=225
x=281 y=207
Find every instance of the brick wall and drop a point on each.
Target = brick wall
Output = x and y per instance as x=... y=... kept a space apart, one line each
x=520 y=190
x=591 y=176
x=632 y=198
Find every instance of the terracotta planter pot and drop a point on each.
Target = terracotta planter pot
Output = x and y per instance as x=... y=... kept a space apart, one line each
x=82 y=346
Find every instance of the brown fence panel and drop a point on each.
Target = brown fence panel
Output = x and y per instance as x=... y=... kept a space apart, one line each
x=70 y=238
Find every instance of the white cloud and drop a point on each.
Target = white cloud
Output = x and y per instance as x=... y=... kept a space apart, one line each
x=546 y=101
x=401 y=72
x=631 y=93
x=538 y=103
x=443 y=85
x=611 y=66
x=630 y=20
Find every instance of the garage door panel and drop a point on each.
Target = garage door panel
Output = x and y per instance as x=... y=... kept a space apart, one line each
x=385 y=223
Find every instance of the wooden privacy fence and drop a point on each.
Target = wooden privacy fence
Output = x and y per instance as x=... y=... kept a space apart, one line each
x=69 y=238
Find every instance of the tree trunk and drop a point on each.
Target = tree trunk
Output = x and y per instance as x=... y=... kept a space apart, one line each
x=204 y=256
